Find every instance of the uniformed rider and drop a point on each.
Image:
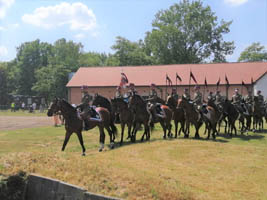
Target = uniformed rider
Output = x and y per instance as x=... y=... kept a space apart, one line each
x=218 y=97
x=186 y=94
x=197 y=97
x=118 y=93
x=237 y=98
x=211 y=97
x=153 y=92
x=260 y=98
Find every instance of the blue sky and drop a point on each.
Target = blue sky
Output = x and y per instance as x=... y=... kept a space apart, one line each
x=96 y=23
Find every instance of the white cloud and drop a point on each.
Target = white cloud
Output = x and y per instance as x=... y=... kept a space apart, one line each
x=2 y=28
x=235 y=2
x=4 y=5
x=79 y=36
x=3 y=51
x=77 y=16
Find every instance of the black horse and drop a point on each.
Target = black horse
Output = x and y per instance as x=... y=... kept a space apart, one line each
x=73 y=124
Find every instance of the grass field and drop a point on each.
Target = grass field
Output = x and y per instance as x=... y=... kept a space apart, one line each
x=159 y=169
x=22 y=113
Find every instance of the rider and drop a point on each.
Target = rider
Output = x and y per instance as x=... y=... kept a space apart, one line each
x=211 y=97
x=174 y=94
x=237 y=101
x=153 y=92
x=249 y=98
x=197 y=97
x=186 y=94
x=218 y=97
x=118 y=93
x=260 y=98
x=132 y=91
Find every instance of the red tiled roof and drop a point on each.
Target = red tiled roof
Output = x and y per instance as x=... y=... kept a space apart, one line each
x=145 y=75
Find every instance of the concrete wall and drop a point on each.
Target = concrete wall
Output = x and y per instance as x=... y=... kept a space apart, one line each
x=43 y=188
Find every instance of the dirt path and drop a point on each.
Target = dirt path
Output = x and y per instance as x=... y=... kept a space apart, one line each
x=20 y=122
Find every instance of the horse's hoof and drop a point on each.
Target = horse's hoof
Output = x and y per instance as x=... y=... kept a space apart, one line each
x=100 y=150
x=83 y=154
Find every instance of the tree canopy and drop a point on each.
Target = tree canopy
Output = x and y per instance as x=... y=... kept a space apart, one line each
x=254 y=52
x=188 y=33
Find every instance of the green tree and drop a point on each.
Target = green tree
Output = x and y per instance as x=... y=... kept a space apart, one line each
x=188 y=33
x=130 y=53
x=255 y=52
x=92 y=59
x=3 y=84
x=66 y=53
x=30 y=57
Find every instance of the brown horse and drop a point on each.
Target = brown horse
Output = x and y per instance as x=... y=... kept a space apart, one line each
x=118 y=105
x=165 y=120
x=191 y=116
x=258 y=114
x=178 y=115
x=73 y=124
x=141 y=116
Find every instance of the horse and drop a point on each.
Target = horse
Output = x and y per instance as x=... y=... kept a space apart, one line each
x=178 y=114
x=118 y=105
x=73 y=124
x=156 y=99
x=165 y=120
x=218 y=113
x=141 y=116
x=191 y=116
x=100 y=101
x=258 y=114
x=232 y=115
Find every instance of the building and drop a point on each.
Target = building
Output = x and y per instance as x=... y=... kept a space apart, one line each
x=104 y=80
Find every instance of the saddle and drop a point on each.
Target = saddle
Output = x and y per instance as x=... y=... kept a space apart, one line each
x=94 y=114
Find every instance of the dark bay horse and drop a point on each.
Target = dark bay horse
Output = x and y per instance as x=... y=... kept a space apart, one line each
x=178 y=115
x=258 y=114
x=73 y=124
x=164 y=121
x=232 y=115
x=100 y=101
x=118 y=105
x=141 y=116
x=191 y=116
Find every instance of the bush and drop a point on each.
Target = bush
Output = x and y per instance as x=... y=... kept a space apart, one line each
x=12 y=187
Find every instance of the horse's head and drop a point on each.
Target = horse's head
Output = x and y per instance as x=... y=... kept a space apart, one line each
x=53 y=107
x=118 y=104
x=136 y=101
x=172 y=102
x=182 y=102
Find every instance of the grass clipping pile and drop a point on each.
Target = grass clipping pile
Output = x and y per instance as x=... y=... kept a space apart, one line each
x=13 y=187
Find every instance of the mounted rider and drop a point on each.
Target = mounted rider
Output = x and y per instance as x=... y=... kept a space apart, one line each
x=237 y=101
x=132 y=91
x=85 y=108
x=186 y=94
x=249 y=98
x=218 y=97
x=153 y=92
x=211 y=97
x=260 y=98
x=174 y=94
x=118 y=93
x=197 y=97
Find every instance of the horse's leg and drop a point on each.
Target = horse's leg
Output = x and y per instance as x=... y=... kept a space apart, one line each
x=129 y=125
x=187 y=126
x=147 y=132
x=163 y=125
x=122 y=132
x=101 y=138
x=176 y=128
x=67 y=137
x=80 y=137
x=197 y=128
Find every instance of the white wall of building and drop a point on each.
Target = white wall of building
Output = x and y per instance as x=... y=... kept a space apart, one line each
x=261 y=84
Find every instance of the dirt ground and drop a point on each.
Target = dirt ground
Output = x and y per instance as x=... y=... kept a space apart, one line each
x=20 y=122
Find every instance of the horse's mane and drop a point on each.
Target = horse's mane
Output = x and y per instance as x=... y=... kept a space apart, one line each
x=68 y=105
x=101 y=98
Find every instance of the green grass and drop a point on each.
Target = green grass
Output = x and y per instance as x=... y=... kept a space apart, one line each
x=228 y=168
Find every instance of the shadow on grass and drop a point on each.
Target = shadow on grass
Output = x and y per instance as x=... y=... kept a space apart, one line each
x=244 y=137
x=138 y=141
